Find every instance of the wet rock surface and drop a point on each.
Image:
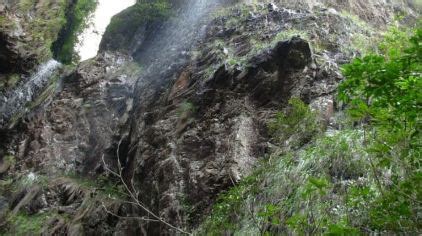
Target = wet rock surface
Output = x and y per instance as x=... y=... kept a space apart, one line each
x=81 y=123
x=183 y=130
x=192 y=153
x=70 y=135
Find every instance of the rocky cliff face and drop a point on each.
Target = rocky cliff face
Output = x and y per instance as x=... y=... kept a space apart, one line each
x=27 y=31
x=184 y=121
x=31 y=34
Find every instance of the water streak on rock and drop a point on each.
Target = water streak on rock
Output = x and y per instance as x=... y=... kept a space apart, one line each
x=15 y=100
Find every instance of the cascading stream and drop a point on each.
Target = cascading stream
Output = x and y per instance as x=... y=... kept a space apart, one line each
x=14 y=102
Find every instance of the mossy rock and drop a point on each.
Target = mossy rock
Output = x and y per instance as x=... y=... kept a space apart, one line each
x=122 y=30
x=7 y=162
x=130 y=27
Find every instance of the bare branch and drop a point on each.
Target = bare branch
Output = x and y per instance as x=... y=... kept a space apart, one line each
x=135 y=198
x=126 y=217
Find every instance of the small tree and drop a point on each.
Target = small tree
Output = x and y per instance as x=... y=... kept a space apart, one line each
x=383 y=93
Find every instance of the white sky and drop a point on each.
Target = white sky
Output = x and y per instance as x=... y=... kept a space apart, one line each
x=91 y=37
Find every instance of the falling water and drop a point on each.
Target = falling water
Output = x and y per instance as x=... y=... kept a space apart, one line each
x=91 y=37
x=170 y=46
x=14 y=101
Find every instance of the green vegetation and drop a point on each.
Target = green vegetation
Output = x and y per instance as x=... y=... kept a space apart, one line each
x=23 y=224
x=120 y=31
x=28 y=181
x=44 y=28
x=3 y=20
x=185 y=108
x=298 y=121
x=52 y=26
x=77 y=20
x=102 y=185
x=363 y=179
x=10 y=81
x=25 y=5
x=153 y=9
x=238 y=51
x=383 y=94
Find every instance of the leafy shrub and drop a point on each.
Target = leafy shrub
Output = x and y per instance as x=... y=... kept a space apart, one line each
x=386 y=87
x=298 y=120
x=382 y=92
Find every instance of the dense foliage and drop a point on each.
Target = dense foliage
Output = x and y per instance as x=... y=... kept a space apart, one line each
x=364 y=178
x=383 y=92
x=77 y=17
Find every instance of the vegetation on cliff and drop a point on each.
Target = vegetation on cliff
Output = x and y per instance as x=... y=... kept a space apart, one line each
x=362 y=178
x=120 y=33
x=43 y=29
x=244 y=104
x=33 y=32
x=77 y=18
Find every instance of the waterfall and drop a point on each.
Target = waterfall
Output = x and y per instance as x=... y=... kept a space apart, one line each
x=14 y=101
x=169 y=48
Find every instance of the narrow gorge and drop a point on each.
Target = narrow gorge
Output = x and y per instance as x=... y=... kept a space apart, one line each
x=210 y=117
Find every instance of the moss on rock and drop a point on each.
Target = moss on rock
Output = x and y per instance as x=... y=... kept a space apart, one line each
x=130 y=26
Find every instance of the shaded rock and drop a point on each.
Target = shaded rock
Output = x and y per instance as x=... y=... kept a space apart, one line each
x=83 y=119
x=4 y=207
x=126 y=32
x=30 y=200
x=14 y=58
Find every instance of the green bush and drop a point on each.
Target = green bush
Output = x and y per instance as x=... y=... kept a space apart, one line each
x=298 y=120
x=296 y=192
x=383 y=93
x=77 y=22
